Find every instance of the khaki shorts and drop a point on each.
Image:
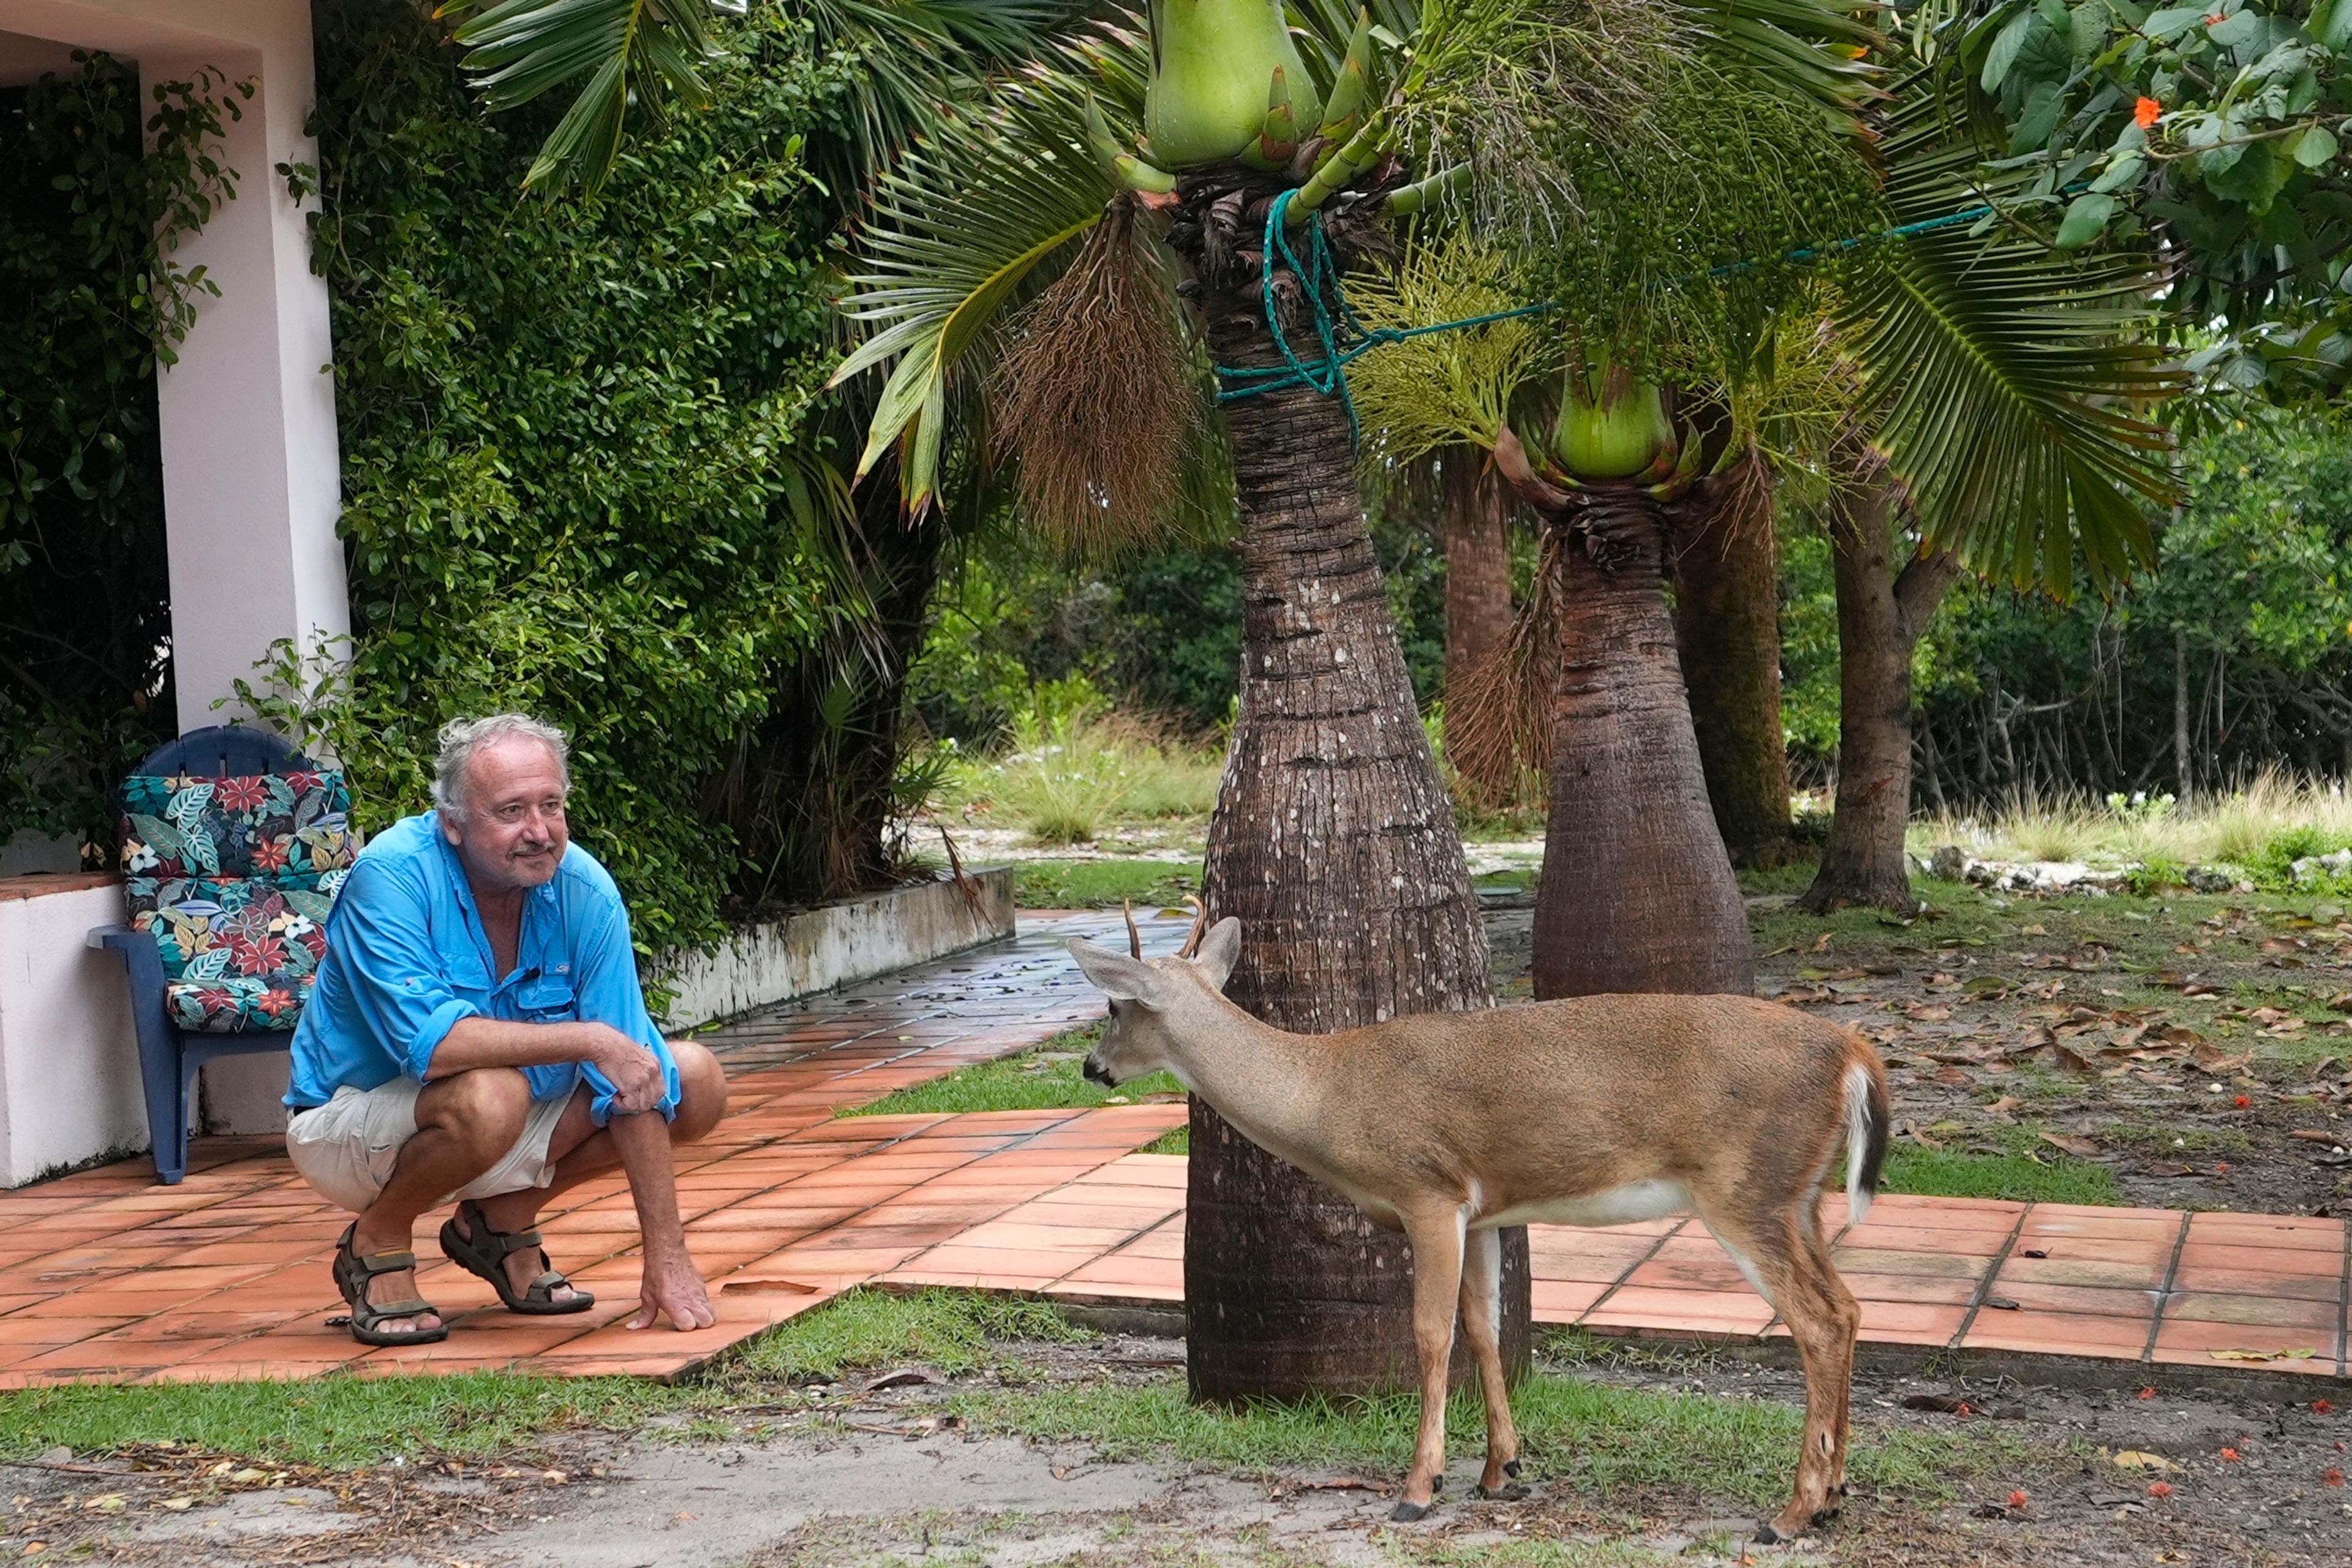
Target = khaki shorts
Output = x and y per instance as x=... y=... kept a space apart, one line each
x=346 y=1148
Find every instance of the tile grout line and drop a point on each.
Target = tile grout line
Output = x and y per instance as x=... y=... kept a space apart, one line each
x=1984 y=1285
x=2344 y=1307
x=2164 y=1293
x=1655 y=1248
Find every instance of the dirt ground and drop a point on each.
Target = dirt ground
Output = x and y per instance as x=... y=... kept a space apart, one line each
x=849 y=1479
x=2197 y=1048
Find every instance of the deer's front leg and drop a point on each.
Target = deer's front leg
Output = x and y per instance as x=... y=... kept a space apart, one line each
x=1482 y=1325
x=1437 y=1235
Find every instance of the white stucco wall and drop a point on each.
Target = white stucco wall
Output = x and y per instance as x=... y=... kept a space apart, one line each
x=69 y=1086
x=248 y=416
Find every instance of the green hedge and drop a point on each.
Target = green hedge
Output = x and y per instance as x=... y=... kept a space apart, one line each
x=571 y=473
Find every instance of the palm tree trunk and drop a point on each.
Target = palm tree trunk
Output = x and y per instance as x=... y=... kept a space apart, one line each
x=1335 y=843
x=1478 y=585
x=1637 y=893
x=1880 y=618
x=1727 y=623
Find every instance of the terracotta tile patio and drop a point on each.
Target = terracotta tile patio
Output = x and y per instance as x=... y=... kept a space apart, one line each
x=106 y=1276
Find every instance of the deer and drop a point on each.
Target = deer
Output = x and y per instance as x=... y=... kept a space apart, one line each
x=1590 y=1111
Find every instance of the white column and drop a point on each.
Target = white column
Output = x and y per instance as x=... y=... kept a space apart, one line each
x=247 y=425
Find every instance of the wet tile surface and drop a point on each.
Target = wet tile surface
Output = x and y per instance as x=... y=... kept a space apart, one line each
x=108 y=1277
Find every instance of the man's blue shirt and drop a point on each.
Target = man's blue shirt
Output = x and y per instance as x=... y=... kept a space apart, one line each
x=407 y=958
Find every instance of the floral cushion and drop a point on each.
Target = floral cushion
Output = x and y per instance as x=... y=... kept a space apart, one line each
x=237 y=953
x=271 y=825
x=237 y=1005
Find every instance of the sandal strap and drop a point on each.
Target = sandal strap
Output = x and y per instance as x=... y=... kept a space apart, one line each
x=505 y=1243
x=371 y=1264
x=376 y=1311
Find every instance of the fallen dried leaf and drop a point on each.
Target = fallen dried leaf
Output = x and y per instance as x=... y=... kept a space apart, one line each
x=2138 y=1459
x=2313 y=1135
x=2080 y=1148
x=2006 y=1108
x=2262 y=1355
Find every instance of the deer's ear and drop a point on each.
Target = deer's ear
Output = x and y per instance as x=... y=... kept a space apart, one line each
x=1115 y=974
x=1219 y=949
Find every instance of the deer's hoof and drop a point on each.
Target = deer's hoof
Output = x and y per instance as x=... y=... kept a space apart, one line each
x=1511 y=1469
x=1407 y=1512
x=1510 y=1491
x=1823 y=1515
x=1766 y=1536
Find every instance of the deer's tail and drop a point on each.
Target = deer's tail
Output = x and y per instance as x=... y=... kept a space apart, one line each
x=1866 y=1123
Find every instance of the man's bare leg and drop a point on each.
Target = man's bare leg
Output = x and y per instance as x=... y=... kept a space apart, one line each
x=581 y=1148
x=465 y=1124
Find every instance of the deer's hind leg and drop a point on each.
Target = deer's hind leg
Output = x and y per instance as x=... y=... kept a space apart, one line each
x=1783 y=1254
x=1482 y=1325
x=1437 y=1237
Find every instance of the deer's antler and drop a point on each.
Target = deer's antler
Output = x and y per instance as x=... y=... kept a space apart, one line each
x=1134 y=937
x=1200 y=928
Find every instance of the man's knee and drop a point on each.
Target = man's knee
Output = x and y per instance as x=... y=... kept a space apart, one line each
x=701 y=1090
x=486 y=1107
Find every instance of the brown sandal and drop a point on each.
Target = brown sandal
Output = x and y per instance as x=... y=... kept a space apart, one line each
x=484 y=1253
x=353 y=1272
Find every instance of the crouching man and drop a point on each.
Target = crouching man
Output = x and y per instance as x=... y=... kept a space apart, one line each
x=476 y=1035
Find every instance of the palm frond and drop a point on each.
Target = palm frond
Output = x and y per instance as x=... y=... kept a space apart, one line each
x=975 y=218
x=914 y=57
x=1443 y=388
x=2007 y=380
x=633 y=53
x=1812 y=50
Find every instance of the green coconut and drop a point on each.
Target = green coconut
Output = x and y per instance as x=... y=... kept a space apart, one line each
x=1626 y=434
x=1212 y=65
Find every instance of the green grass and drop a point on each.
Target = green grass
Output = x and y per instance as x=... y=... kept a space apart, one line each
x=1601 y=1438
x=1946 y=1173
x=339 y=1422
x=1044 y=1078
x=1103 y=884
x=1070 y=775
x=957 y=1332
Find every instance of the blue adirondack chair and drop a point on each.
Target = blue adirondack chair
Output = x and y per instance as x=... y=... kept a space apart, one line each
x=235 y=845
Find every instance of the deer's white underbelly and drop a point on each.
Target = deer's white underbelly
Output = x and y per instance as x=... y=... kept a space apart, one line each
x=1612 y=1206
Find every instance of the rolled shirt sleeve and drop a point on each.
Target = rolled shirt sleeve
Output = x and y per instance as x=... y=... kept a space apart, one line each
x=394 y=976
x=604 y=980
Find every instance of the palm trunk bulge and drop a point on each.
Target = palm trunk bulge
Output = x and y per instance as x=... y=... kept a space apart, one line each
x=1334 y=842
x=1637 y=893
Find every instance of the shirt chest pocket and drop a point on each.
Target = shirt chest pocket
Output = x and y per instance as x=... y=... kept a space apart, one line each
x=549 y=999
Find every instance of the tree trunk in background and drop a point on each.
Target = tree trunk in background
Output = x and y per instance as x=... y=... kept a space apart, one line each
x=2182 y=768
x=1727 y=622
x=1880 y=618
x=809 y=793
x=1637 y=893
x=1335 y=844
x=1477 y=514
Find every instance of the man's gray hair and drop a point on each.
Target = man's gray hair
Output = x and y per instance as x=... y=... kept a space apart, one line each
x=462 y=739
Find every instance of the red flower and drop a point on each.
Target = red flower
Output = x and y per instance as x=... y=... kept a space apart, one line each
x=2147 y=1393
x=216 y=1002
x=2321 y=1407
x=2145 y=112
x=2228 y=1453
x=2332 y=1476
x=273 y=1002
x=2159 y=1488
x=316 y=941
x=269 y=854
x=240 y=795
x=2242 y=1103
x=264 y=955
x=2018 y=1500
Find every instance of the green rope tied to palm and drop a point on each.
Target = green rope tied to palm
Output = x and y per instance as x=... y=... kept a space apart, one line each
x=1343 y=339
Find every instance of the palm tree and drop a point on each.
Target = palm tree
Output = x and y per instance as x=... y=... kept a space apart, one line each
x=1043 y=235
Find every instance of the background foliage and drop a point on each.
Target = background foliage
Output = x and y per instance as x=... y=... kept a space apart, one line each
x=569 y=470
x=93 y=298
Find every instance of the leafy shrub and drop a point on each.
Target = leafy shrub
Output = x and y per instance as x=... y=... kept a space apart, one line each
x=1071 y=772
x=570 y=482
